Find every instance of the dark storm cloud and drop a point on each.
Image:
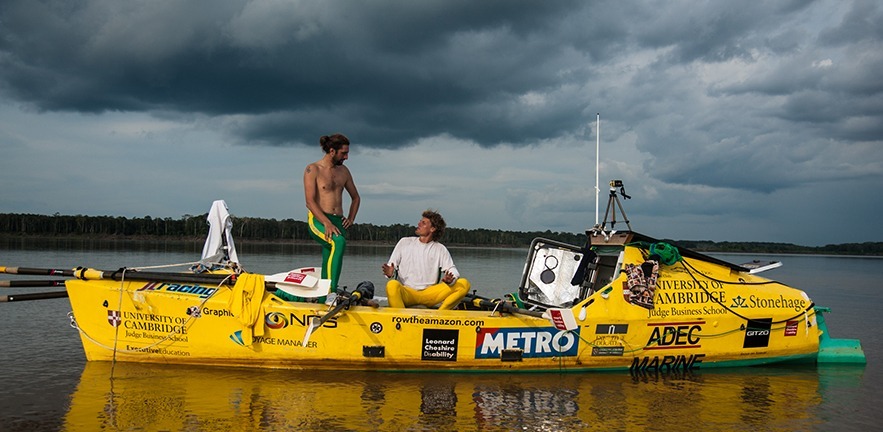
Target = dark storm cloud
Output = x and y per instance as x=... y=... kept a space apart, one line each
x=297 y=69
x=722 y=94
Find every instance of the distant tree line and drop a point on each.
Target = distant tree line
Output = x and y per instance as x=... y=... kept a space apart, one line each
x=248 y=228
x=272 y=230
x=867 y=248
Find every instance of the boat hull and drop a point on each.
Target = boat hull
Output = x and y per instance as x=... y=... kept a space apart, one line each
x=693 y=323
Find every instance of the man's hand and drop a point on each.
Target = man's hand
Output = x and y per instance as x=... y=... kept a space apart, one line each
x=330 y=230
x=388 y=270
x=449 y=278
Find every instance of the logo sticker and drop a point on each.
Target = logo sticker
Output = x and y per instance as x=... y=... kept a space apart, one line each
x=376 y=327
x=533 y=342
x=440 y=345
x=791 y=328
x=276 y=320
x=113 y=318
x=757 y=333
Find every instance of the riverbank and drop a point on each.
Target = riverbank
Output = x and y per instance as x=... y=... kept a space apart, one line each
x=195 y=243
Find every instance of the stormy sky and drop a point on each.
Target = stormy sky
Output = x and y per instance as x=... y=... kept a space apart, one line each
x=726 y=121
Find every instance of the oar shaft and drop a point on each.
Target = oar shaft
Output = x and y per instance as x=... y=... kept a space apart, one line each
x=36 y=271
x=503 y=306
x=132 y=275
x=336 y=309
x=34 y=296
x=30 y=283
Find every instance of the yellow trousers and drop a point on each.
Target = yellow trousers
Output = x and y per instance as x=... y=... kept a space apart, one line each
x=449 y=296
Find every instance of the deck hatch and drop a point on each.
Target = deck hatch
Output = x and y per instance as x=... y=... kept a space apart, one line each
x=374 y=351
x=511 y=355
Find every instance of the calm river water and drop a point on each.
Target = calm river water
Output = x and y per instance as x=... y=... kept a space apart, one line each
x=47 y=384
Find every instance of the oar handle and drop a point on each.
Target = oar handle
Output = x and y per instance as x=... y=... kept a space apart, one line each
x=34 y=296
x=30 y=283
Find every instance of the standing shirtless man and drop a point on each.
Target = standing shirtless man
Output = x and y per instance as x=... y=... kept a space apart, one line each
x=324 y=183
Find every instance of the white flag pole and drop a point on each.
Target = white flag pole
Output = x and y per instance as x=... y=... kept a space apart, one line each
x=597 y=164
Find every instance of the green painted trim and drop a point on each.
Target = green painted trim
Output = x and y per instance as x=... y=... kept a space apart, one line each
x=843 y=351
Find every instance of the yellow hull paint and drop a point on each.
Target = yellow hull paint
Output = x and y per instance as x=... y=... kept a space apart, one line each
x=699 y=319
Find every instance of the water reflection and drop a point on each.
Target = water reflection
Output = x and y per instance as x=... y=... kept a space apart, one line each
x=161 y=397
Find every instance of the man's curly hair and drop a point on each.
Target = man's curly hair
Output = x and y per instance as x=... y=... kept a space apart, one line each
x=437 y=221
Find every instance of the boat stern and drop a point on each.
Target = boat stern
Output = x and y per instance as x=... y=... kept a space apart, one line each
x=839 y=351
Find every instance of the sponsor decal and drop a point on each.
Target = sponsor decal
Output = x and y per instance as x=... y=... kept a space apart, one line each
x=152 y=326
x=791 y=328
x=172 y=337
x=237 y=338
x=534 y=342
x=689 y=297
x=276 y=320
x=675 y=335
x=739 y=302
x=436 y=321
x=158 y=350
x=757 y=333
x=113 y=318
x=440 y=344
x=376 y=327
x=148 y=326
x=216 y=312
x=687 y=311
x=611 y=329
x=305 y=319
x=194 y=312
x=685 y=284
x=192 y=289
x=668 y=362
x=755 y=302
x=603 y=351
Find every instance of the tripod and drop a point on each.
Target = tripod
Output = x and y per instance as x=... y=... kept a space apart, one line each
x=612 y=203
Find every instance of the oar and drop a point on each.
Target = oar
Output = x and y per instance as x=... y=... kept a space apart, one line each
x=562 y=319
x=34 y=296
x=134 y=275
x=501 y=306
x=30 y=283
x=123 y=273
x=365 y=290
x=36 y=271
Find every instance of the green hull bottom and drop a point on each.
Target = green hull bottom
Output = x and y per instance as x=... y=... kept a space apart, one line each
x=841 y=351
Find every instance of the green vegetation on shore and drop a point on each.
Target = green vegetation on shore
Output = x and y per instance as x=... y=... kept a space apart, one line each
x=272 y=230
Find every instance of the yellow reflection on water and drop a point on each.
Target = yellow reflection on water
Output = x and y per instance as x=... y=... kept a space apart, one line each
x=129 y=396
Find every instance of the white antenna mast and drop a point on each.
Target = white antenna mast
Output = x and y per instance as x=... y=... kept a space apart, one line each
x=597 y=163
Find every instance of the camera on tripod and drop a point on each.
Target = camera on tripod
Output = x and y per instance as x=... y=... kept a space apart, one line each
x=618 y=184
x=612 y=204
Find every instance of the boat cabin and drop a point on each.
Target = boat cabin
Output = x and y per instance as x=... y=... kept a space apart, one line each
x=559 y=275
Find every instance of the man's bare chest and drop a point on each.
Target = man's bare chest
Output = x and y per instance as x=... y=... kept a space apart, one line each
x=331 y=180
